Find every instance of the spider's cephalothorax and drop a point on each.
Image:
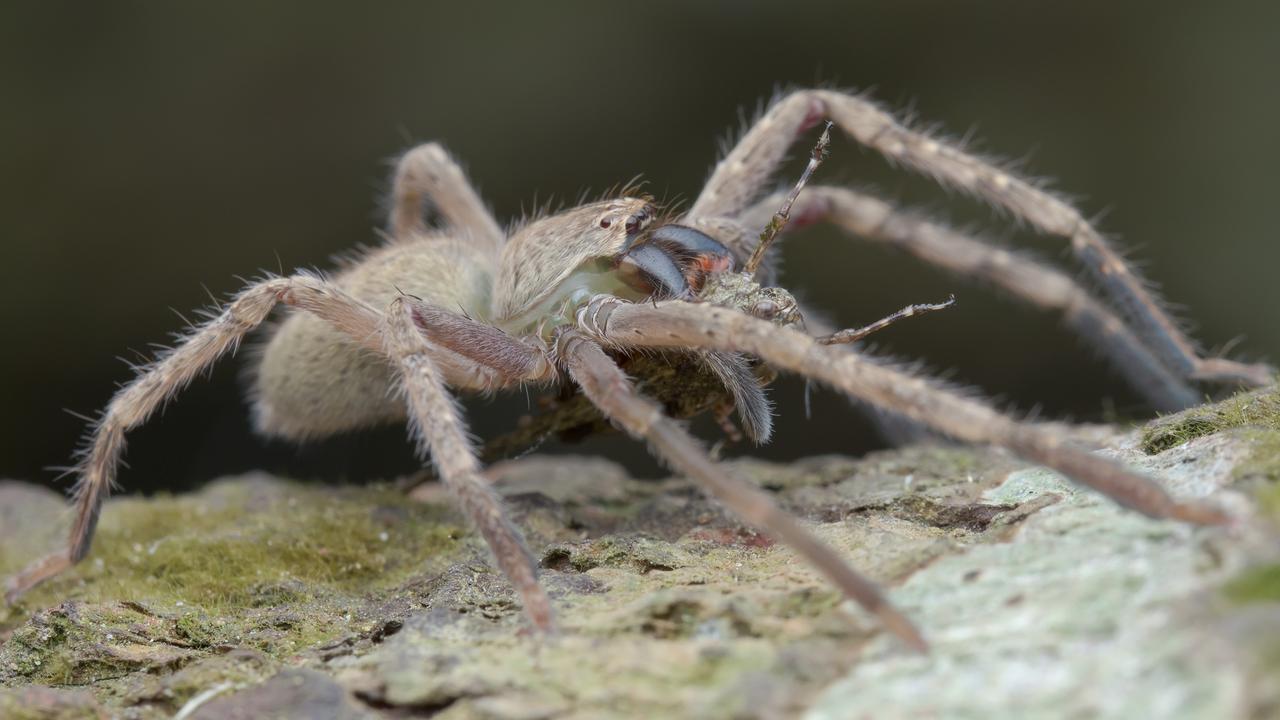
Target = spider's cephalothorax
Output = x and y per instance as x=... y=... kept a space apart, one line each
x=567 y=298
x=544 y=273
x=552 y=266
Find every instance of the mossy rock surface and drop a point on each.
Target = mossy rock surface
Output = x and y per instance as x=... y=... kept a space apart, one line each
x=261 y=597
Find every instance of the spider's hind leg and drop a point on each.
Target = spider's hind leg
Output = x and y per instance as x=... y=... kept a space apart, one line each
x=435 y=419
x=427 y=172
x=158 y=382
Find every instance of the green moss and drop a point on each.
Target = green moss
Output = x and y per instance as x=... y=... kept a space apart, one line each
x=1256 y=415
x=1264 y=463
x=975 y=517
x=255 y=546
x=1269 y=497
x=626 y=551
x=196 y=628
x=272 y=566
x=74 y=644
x=679 y=610
x=32 y=648
x=1256 y=585
x=1257 y=409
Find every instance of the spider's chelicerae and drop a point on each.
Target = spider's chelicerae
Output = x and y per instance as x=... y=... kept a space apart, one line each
x=565 y=298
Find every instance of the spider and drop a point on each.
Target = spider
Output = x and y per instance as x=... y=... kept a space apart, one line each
x=564 y=299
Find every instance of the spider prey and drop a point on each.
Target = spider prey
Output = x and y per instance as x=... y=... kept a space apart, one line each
x=565 y=298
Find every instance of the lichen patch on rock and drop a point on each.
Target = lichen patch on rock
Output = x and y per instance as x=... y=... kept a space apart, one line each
x=259 y=596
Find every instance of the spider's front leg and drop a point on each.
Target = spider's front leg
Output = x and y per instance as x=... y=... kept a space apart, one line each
x=740 y=177
x=1042 y=286
x=680 y=324
x=604 y=383
x=436 y=424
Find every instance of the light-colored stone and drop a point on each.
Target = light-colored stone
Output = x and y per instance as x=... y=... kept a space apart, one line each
x=1040 y=599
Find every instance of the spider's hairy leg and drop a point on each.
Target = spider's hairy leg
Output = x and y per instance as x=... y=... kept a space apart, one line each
x=739 y=178
x=436 y=424
x=159 y=381
x=681 y=324
x=506 y=360
x=607 y=386
x=1043 y=286
x=427 y=172
x=434 y=418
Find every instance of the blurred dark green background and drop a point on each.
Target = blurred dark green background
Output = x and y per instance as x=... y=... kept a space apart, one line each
x=151 y=148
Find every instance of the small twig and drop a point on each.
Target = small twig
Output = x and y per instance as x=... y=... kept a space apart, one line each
x=194 y=703
x=856 y=334
x=779 y=219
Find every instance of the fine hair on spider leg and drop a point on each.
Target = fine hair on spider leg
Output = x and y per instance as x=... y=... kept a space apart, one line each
x=440 y=433
x=739 y=177
x=434 y=419
x=1043 y=286
x=678 y=324
x=605 y=384
x=168 y=374
x=427 y=171
x=754 y=407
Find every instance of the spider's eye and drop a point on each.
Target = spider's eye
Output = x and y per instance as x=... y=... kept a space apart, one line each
x=633 y=225
x=605 y=223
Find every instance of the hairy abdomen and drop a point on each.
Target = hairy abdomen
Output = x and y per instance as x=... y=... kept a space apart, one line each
x=311 y=380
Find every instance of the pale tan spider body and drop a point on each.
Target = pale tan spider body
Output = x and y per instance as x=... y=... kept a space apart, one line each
x=570 y=296
x=312 y=381
x=541 y=256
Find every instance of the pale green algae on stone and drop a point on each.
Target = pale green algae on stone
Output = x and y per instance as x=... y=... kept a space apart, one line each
x=271 y=598
x=1092 y=611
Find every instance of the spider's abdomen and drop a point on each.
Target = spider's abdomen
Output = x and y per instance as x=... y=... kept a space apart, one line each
x=311 y=380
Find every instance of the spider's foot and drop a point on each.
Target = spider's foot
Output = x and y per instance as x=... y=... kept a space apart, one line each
x=1199 y=514
x=34 y=574
x=1223 y=370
